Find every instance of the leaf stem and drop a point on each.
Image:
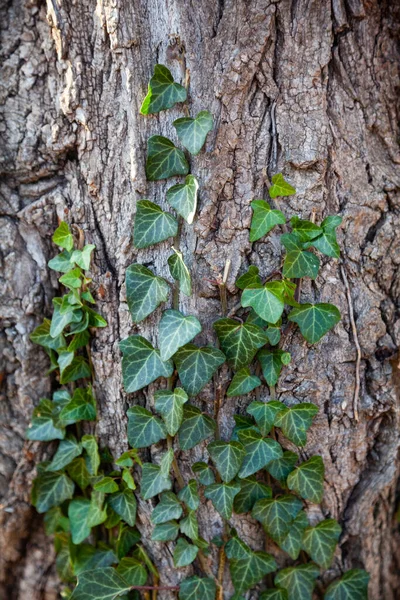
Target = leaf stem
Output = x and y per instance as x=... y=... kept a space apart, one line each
x=175 y=466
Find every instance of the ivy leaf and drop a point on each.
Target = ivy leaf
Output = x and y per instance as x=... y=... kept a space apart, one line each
x=189 y=495
x=89 y=443
x=183 y=198
x=298 y=581
x=152 y=225
x=204 y=473
x=195 y=428
x=180 y=272
x=228 y=457
x=196 y=366
x=306 y=230
x=82 y=257
x=281 y=467
x=87 y=558
x=259 y=451
x=164 y=159
x=163 y=92
x=165 y=532
x=51 y=489
x=168 y=509
x=295 y=421
x=277 y=515
x=72 y=279
x=170 y=406
x=271 y=362
x=128 y=537
x=320 y=541
x=132 y=571
x=239 y=341
x=190 y=527
x=264 y=414
x=78 y=511
x=222 y=496
x=280 y=187
x=274 y=594
x=251 y=490
x=41 y=335
x=249 y=279
x=144 y=429
x=184 y=553
x=308 y=479
x=78 y=369
x=243 y=382
x=55 y=521
x=248 y=571
x=195 y=588
x=353 y=585
x=274 y=335
x=293 y=541
x=79 y=473
x=176 y=330
x=67 y=450
x=267 y=300
x=124 y=504
x=63 y=237
x=192 y=133
x=298 y=263
x=61 y=262
x=144 y=291
x=326 y=242
x=315 y=320
x=100 y=584
x=236 y=548
x=107 y=485
x=60 y=320
x=264 y=219
x=95 y=320
x=45 y=426
x=81 y=407
x=153 y=481
x=141 y=363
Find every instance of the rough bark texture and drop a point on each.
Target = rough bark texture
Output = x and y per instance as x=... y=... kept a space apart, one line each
x=308 y=87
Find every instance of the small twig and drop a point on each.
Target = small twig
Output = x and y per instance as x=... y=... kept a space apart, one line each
x=357 y=344
x=175 y=466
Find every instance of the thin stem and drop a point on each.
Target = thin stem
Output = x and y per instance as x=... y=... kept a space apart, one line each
x=175 y=466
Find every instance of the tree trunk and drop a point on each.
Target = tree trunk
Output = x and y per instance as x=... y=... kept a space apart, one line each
x=306 y=87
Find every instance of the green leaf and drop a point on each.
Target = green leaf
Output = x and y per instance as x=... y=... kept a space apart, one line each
x=132 y=571
x=78 y=511
x=164 y=159
x=63 y=237
x=78 y=369
x=274 y=594
x=170 y=406
x=196 y=366
x=166 y=462
x=251 y=490
x=60 y=321
x=239 y=341
x=79 y=473
x=280 y=187
x=189 y=495
x=45 y=425
x=243 y=382
x=190 y=527
x=128 y=537
x=264 y=414
x=281 y=467
x=128 y=478
x=195 y=428
x=152 y=225
x=72 y=279
x=51 y=489
x=41 y=335
x=308 y=479
x=95 y=320
x=163 y=92
x=236 y=548
x=87 y=558
x=61 y=262
x=353 y=585
x=228 y=457
x=204 y=473
x=298 y=581
x=222 y=496
x=144 y=291
x=184 y=553
x=192 y=133
x=144 y=429
x=320 y=541
x=183 y=198
x=277 y=515
x=246 y=572
x=82 y=257
x=274 y=335
x=100 y=584
x=153 y=482
x=176 y=330
x=167 y=509
x=197 y=588
x=124 y=504
x=165 y=532
x=67 y=450
x=180 y=272
x=267 y=300
x=259 y=451
x=298 y=263
x=141 y=363
x=249 y=279
x=89 y=443
x=264 y=219
x=55 y=521
x=65 y=358
x=107 y=485
x=80 y=408
x=315 y=320
x=293 y=541
x=294 y=421
x=306 y=230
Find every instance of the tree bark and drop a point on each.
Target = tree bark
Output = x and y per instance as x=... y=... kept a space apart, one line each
x=306 y=87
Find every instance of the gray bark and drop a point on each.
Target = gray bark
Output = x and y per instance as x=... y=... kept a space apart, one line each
x=307 y=87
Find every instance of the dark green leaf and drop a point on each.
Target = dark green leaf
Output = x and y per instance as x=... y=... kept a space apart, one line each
x=164 y=159
x=51 y=489
x=281 y=467
x=264 y=414
x=243 y=382
x=251 y=490
x=153 y=481
x=298 y=263
x=107 y=485
x=353 y=585
x=87 y=557
x=275 y=594
x=132 y=571
x=298 y=581
x=41 y=335
x=176 y=330
x=315 y=320
x=195 y=428
x=128 y=537
x=222 y=496
x=80 y=408
x=167 y=509
x=236 y=548
x=246 y=572
x=144 y=291
x=79 y=473
x=294 y=421
x=204 y=473
x=264 y=219
x=78 y=511
x=180 y=272
x=100 y=584
x=293 y=541
x=124 y=504
x=184 y=553
x=192 y=133
x=280 y=187
x=228 y=457
x=55 y=521
x=78 y=369
x=277 y=515
x=274 y=335
x=320 y=541
x=183 y=198
x=170 y=406
x=152 y=225
x=308 y=479
x=63 y=237
x=259 y=451
x=45 y=426
x=67 y=450
x=144 y=429
x=59 y=321
x=196 y=366
x=249 y=279
x=95 y=320
x=239 y=341
x=163 y=92
x=89 y=443
x=197 y=588
x=141 y=363
x=166 y=462
x=306 y=230
x=189 y=526
x=267 y=300
x=165 y=532
x=189 y=495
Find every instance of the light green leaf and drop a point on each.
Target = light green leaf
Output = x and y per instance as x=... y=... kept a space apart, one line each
x=128 y=478
x=320 y=541
x=306 y=230
x=72 y=279
x=195 y=428
x=170 y=406
x=197 y=588
x=353 y=585
x=100 y=584
x=152 y=225
x=294 y=421
x=222 y=496
x=192 y=133
x=168 y=509
x=180 y=272
x=277 y=515
x=184 y=553
x=204 y=473
x=176 y=330
x=280 y=187
x=189 y=495
x=267 y=300
x=251 y=490
x=61 y=262
x=298 y=263
x=63 y=237
x=315 y=320
x=89 y=443
x=81 y=407
x=259 y=451
x=41 y=335
x=293 y=541
x=67 y=450
x=189 y=526
x=298 y=581
x=165 y=532
x=78 y=369
x=144 y=291
x=274 y=594
x=246 y=572
x=166 y=462
x=183 y=198
x=281 y=467
x=78 y=511
x=264 y=414
x=65 y=358
x=163 y=92
x=153 y=481
x=60 y=321
x=164 y=159
x=141 y=363
x=107 y=485
x=239 y=341
x=132 y=571
x=95 y=320
x=79 y=473
x=249 y=279
x=82 y=257
x=124 y=504
x=144 y=429
x=264 y=219
x=308 y=479
x=228 y=457
x=196 y=366
x=243 y=382
x=51 y=489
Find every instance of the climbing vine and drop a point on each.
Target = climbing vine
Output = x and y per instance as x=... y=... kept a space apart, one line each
x=258 y=470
